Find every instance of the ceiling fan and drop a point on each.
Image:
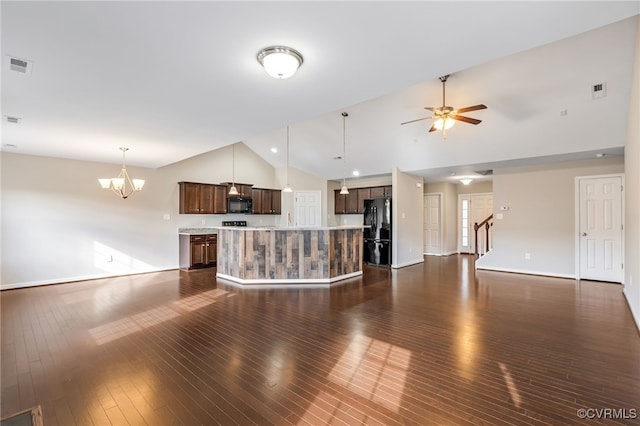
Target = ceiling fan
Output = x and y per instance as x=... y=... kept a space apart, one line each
x=445 y=115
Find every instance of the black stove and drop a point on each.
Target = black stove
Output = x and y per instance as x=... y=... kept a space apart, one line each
x=234 y=223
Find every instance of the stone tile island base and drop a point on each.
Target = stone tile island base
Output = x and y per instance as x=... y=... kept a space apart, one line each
x=289 y=256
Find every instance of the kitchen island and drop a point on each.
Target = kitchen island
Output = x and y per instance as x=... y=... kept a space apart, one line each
x=289 y=256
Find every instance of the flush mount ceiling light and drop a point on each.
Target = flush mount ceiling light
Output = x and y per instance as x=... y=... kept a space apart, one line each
x=122 y=185
x=280 y=61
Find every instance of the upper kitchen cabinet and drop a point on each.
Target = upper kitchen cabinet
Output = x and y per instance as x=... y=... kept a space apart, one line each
x=267 y=201
x=244 y=190
x=202 y=198
x=353 y=202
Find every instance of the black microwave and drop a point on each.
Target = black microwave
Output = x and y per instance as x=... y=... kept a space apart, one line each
x=239 y=205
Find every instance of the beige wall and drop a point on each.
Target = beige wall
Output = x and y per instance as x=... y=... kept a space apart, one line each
x=299 y=181
x=407 y=217
x=59 y=225
x=541 y=217
x=632 y=193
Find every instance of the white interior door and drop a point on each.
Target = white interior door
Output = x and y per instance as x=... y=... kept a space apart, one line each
x=432 y=224
x=481 y=207
x=308 y=208
x=600 y=228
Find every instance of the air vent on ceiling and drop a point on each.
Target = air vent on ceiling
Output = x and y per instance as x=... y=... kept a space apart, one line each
x=11 y=119
x=599 y=90
x=485 y=172
x=22 y=66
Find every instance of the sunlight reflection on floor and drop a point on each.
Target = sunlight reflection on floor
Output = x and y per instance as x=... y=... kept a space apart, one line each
x=131 y=324
x=373 y=369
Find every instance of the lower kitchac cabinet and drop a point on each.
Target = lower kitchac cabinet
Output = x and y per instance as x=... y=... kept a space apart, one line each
x=198 y=251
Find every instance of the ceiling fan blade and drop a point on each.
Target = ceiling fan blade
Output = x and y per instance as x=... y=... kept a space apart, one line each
x=432 y=109
x=466 y=119
x=471 y=108
x=413 y=121
x=433 y=128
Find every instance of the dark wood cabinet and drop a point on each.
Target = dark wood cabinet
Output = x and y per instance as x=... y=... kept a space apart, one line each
x=377 y=192
x=353 y=203
x=198 y=251
x=267 y=201
x=196 y=198
x=340 y=202
x=363 y=194
x=244 y=189
x=219 y=199
x=276 y=201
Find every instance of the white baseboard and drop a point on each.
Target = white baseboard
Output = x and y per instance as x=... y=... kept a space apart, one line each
x=411 y=262
x=77 y=278
x=449 y=253
x=527 y=272
x=634 y=314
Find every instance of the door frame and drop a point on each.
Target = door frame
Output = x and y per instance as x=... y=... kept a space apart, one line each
x=424 y=222
x=577 y=181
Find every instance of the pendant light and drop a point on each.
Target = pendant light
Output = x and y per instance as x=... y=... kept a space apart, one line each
x=233 y=190
x=287 y=187
x=344 y=190
x=122 y=185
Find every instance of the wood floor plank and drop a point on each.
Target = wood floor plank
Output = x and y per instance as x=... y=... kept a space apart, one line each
x=435 y=343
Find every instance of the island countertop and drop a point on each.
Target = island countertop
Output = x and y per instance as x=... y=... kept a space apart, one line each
x=258 y=256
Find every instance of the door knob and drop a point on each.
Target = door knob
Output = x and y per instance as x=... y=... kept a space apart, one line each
x=584 y=234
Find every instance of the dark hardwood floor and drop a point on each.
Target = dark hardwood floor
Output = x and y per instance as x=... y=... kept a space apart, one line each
x=436 y=343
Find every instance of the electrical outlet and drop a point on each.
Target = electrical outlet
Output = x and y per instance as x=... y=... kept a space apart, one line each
x=204 y=222
x=527 y=256
x=166 y=216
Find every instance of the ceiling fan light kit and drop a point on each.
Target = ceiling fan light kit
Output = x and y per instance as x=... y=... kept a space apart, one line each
x=445 y=116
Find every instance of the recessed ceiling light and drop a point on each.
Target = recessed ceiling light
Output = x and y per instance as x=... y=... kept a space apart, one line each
x=274 y=150
x=355 y=173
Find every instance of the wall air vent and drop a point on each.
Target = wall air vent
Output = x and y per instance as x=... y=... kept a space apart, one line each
x=11 y=119
x=599 y=90
x=23 y=66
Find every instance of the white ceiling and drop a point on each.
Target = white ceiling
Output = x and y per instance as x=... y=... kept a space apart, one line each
x=172 y=80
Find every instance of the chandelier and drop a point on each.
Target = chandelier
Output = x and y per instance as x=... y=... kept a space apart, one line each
x=122 y=185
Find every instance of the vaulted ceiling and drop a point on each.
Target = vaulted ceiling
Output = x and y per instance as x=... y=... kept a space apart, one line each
x=171 y=80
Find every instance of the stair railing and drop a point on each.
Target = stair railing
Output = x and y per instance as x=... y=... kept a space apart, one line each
x=487 y=224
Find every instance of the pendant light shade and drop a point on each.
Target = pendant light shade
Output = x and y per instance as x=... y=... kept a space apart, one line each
x=287 y=187
x=344 y=190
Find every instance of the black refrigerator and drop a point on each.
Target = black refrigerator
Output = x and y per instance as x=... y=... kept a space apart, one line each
x=377 y=231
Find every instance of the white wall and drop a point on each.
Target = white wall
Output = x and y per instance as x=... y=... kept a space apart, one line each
x=541 y=216
x=58 y=224
x=632 y=193
x=408 y=219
